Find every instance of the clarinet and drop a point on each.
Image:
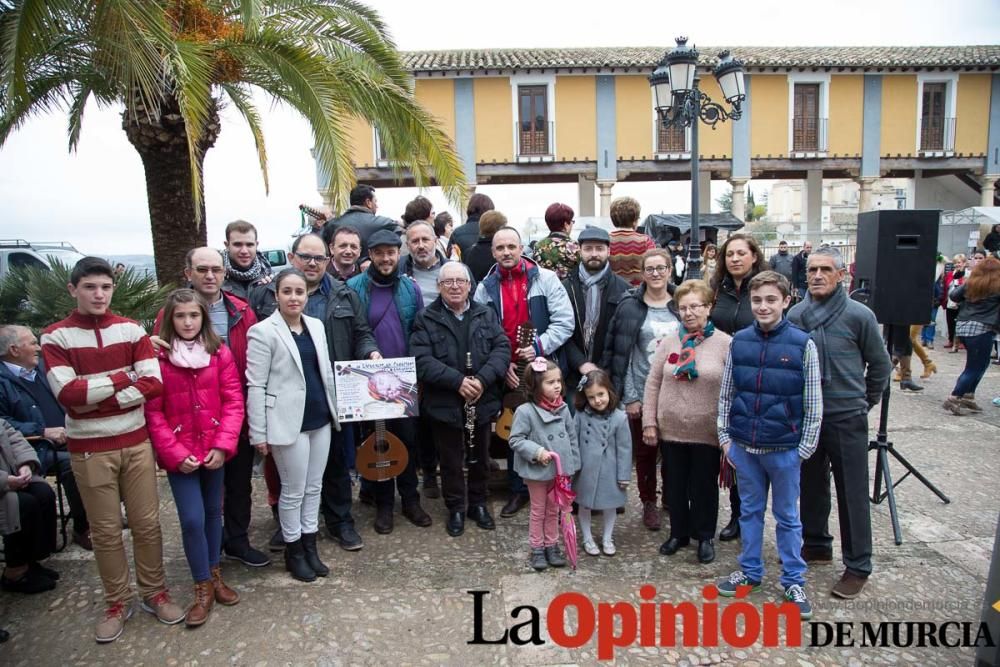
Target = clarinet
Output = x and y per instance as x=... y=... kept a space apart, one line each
x=470 y=417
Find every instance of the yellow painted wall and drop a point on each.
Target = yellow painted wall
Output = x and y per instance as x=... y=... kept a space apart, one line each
x=717 y=142
x=634 y=117
x=361 y=139
x=576 y=117
x=899 y=115
x=769 y=119
x=972 y=113
x=844 y=126
x=438 y=97
x=494 y=122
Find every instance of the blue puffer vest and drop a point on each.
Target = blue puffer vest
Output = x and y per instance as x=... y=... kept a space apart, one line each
x=405 y=296
x=769 y=380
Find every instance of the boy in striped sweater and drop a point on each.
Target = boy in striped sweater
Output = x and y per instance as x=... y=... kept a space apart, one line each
x=102 y=370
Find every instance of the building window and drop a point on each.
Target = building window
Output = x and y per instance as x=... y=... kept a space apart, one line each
x=381 y=157
x=808 y=126
x=534 y=129
x=937 y=130
x=672 y=139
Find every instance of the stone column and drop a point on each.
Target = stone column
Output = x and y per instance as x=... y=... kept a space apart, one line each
x=704 y=192
x=865 y=194
x=586 y=196
x=987 y=184
x=814 y=205
x=605 y=194
x=739 y=197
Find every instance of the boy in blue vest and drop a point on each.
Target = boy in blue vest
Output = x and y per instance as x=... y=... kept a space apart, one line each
x=770 y=408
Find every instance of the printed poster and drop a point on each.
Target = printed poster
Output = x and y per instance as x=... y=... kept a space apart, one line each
x=376 y=389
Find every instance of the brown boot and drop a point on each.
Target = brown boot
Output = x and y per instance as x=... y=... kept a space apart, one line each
x=930 y=368
x=223 y=594
x=969 y=402
x=204 y=598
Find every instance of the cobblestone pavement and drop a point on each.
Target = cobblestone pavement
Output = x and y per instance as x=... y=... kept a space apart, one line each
x=403 y=599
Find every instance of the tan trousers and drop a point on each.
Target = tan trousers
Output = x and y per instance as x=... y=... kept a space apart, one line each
x=105 y=479
x=918 y=349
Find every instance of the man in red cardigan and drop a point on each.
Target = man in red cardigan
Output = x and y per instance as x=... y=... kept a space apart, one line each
x=102 y=370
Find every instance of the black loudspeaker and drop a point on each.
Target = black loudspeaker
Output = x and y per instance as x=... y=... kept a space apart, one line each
x=895 y=261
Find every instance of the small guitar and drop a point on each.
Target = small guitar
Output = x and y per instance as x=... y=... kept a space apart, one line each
x=515 y=397
x=382 y=456
x=313 y=213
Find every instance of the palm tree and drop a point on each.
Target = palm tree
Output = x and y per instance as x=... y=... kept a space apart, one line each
x=173 y=63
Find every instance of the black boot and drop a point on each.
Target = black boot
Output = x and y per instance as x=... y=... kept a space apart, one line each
x=295 y=561
x=731 y=531
x=312 y=555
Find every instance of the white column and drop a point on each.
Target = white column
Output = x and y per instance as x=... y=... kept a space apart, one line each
x=739 y=197
x=814 y=205
x=605 y=194
x=987 y=184
x=704 y=192
x=865 y=195
x=587 y=190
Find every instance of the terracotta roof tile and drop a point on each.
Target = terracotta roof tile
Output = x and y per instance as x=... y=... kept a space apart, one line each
x=752 y=56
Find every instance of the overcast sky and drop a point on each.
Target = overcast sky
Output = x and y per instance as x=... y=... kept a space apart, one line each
x=96 y=198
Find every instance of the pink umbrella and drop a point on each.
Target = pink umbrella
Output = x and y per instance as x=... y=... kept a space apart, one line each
x=563 y=496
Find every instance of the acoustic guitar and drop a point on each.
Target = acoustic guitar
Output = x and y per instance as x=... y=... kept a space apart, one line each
x=515 y=397
x=382 y=456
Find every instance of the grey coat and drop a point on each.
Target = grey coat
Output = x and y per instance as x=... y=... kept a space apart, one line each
x=605 y=459
x=535 y=429
x=14 y=453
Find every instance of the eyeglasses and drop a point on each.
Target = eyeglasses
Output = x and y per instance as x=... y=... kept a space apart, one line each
x=692 y=308
x=653 y=270
x=453 y=282
x=214 y=270
x=311 y=259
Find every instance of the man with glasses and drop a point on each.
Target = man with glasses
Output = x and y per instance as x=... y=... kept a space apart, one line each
x=444 y=333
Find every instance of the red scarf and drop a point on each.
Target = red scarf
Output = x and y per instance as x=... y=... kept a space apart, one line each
x=514 y=302
x=551 y=406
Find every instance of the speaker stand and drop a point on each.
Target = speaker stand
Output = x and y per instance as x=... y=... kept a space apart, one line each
x=884 y=448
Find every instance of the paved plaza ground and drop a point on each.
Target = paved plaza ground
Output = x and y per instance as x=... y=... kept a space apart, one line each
x=403 y=599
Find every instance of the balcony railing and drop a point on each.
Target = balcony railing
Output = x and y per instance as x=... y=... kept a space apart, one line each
x=937 y=133
x=808 y=134
x=534 y=141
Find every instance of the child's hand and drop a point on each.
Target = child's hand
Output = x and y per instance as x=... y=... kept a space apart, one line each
x=544 y=457
x=189 y=465
x=214 y=459
x=623 y=485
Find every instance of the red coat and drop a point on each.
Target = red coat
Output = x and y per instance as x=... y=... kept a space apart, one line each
x=200 y=409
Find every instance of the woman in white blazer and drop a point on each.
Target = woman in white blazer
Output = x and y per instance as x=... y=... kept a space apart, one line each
x=291 y=407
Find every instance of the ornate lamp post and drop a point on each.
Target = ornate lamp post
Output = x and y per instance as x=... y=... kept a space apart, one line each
x=679 y=103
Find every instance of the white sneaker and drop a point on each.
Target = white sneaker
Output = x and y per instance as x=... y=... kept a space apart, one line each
x=591 y=548
x=609 y=548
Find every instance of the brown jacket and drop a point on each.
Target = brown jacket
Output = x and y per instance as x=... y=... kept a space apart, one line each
x=14 y=453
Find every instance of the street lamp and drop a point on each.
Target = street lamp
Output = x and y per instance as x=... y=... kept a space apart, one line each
x=679 y=103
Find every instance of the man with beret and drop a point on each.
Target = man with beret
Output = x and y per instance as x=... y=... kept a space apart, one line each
x=390 y=301
x=594 y=290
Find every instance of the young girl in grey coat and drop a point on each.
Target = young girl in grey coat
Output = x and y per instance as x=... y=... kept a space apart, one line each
x=605 y=457
x=542 y=426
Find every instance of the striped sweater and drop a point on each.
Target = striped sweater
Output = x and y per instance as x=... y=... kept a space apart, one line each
x=625 y=255
x=102 y=370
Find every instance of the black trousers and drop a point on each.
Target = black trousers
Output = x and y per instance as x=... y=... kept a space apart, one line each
x=49 y=457
x=426 y=448
x=901 y=344
x=692 y=488
x=459 y=494
x=335 y=498
x=406 y=482
x=843 y=448
x=37 y=538
x=237 y=502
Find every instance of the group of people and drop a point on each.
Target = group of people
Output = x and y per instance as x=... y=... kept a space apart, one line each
x=708 y=381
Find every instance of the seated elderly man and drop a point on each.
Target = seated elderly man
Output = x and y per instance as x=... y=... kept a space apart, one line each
x=27 y=517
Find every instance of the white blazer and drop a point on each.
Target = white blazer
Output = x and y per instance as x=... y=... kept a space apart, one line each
x=276 y=384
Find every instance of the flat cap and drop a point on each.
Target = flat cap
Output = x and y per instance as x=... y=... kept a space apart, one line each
x=594 y=234
x=384 y=237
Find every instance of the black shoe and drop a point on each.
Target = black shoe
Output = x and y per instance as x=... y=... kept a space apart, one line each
x=367 y=497
x=249 y=556
x=554 y=557
x=38 y=568
x=416 y=514
x=312 y=555
x=910 y=385
x=481 y=516
x=706 y=551
x=731 y=531
x=670 y=547
x=347 y=537
x=513 y=506
x=29 y=583
x=4 y=636
x=295 y=562
x=277 y=542
x=431 y=488
x=456 y=524
x=274 y=514
x=383 y=520
x=816 y=554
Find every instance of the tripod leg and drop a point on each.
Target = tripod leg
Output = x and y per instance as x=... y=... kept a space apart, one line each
x=877 y=496
x=891 y=495
x=916 y=473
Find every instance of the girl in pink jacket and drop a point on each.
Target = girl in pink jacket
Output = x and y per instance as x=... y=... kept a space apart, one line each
x=194 y=425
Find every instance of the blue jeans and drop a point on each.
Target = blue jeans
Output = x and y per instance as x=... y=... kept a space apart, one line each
x=929 y=331
x=977 y=360
x=198 y=496
x=753 y=473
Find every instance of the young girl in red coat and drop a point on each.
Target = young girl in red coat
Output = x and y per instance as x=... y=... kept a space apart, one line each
x=194 y=425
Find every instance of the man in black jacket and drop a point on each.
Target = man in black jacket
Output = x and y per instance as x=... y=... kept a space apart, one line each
x=362 y=217
x=443 y=334
x=799 y=262
x=594 y=291
x=465 y=235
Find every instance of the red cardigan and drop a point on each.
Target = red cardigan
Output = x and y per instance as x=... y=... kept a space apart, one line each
x=200 y=409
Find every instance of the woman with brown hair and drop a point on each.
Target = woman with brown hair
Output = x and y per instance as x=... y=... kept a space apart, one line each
x=978 y=316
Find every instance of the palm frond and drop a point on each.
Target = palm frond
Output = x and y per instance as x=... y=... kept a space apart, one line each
x=241 y=99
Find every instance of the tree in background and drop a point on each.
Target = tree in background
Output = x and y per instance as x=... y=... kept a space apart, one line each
x=753 y=210
x=173 y=63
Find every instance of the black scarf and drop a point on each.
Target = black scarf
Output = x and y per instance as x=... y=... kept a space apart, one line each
x=382 y=280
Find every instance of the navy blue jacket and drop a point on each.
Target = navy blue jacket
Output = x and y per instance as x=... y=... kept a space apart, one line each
x=17 y=406
x=769 y=381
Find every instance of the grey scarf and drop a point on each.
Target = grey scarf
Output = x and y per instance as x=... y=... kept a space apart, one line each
x=816 y=317
x=591 y=284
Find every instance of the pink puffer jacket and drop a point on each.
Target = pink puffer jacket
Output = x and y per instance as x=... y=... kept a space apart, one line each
x=200 y=409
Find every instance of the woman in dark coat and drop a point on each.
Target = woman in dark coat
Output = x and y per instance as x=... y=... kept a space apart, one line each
x=479 y=257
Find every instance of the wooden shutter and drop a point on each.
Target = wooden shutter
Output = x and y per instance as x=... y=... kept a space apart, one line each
x=533 y=121
x=671 y=139
x=932 y=117
x=805 y=117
